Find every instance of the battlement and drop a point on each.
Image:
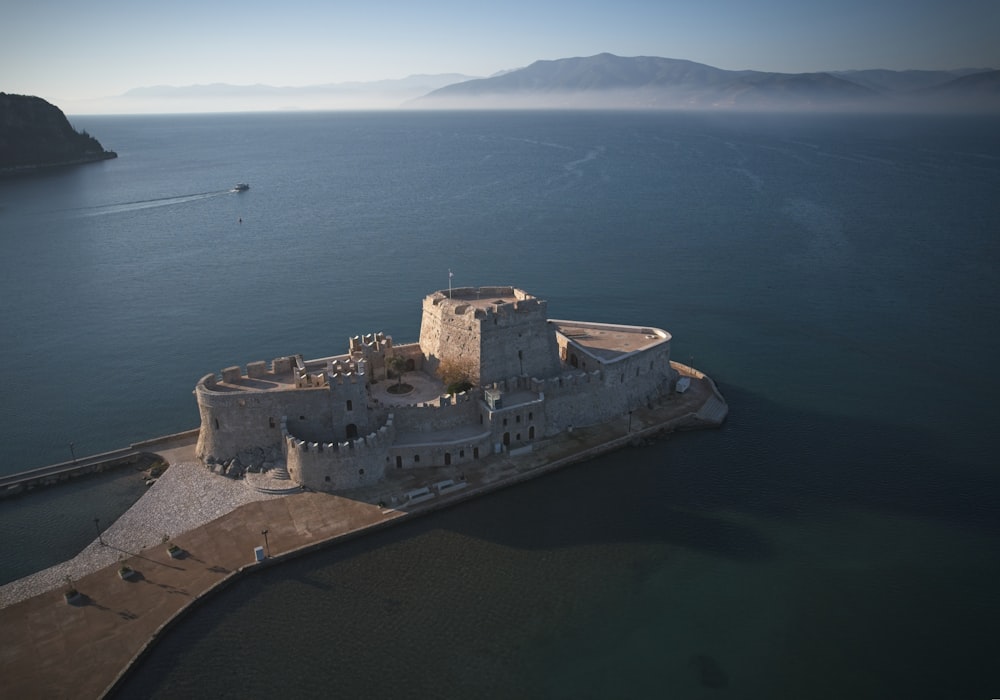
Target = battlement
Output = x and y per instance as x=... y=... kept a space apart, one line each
x=334 y=466
x=370 y=343
x=484 y=303
x=347 y=371
x=382 y=437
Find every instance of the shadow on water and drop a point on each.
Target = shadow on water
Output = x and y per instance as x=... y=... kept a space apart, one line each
x=768 y=460
x=512 y=591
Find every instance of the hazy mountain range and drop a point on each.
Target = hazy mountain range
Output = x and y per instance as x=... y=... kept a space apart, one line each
x=609 y=81
x=650 y=82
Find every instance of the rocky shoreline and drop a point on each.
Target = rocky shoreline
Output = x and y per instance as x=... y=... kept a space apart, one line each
x=12 y=170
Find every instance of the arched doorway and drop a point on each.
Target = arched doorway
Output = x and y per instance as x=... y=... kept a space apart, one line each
x=352 y=431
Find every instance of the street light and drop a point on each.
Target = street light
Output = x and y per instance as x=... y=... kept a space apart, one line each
x=97 y=525
x=267 y=547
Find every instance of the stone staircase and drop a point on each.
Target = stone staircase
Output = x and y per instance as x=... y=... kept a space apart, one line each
x=713 y=411
x=275 y=480
x=280 y=473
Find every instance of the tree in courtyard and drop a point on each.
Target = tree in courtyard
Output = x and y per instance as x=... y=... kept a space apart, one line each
x=397 y=365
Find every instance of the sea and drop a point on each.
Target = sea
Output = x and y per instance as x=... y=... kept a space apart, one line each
x=835 y=274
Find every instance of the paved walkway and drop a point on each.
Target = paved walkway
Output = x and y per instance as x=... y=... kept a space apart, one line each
x=52 y=649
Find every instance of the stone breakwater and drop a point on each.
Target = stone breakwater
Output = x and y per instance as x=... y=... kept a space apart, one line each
x=185 y=497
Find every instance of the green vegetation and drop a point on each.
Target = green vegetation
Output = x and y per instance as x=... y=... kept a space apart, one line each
x=397 y=366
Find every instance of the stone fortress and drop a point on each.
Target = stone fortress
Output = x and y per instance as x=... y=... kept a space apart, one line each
x=337 y=425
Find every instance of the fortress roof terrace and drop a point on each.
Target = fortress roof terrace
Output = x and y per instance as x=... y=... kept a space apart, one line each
x=610 y=341
x=481 y=298
x=269 y=382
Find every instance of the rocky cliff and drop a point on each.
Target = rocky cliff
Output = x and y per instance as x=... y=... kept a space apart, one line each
x=36 y=134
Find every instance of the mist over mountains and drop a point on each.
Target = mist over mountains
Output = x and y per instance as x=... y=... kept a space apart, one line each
x=604 y=81
x=647 y=82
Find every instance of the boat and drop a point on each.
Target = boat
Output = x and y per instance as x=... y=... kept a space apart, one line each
x=241 y=187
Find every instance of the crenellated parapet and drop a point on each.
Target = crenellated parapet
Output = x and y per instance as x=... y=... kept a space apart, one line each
x=442 y=413
x=370 y=344
x=333 y=466
x=341 y=370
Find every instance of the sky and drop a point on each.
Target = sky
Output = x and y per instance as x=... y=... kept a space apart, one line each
x=78 y=55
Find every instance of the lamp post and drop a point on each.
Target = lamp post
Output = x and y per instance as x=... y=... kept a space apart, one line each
x=72 y=452
x=267 y=547
x=97 y=525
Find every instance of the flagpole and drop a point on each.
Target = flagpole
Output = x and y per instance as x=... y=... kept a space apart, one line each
x=449 y=282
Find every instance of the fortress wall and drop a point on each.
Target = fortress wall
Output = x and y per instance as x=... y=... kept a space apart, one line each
x=448 y=333
x=232 y=422
x=586 y=398
x=485 y=328
x=335 y=466
x=449 y=412
x=456 y=452
x=519 y=425
x=517 y=340
x=349 y=414
x=412 y=353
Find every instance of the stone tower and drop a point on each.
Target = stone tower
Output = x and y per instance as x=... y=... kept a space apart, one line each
x=502 y=331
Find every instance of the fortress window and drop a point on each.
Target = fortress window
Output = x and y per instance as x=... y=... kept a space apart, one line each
x=270 y=422
x=461 y=453
x=531 y=415
x=350 y=405
x=622 y=379
x=327 y=478
x=399 y=462
x=517 y=419
x=531 y=433
x=302 y=417
x=361 y=472
x=416 y=458
x=216 y=421
x=475 y=453
x=637 y=371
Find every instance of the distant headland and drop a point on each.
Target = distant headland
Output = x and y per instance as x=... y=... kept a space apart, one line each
x=35 y=134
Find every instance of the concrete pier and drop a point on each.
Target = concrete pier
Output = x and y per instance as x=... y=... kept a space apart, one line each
x=22 y=482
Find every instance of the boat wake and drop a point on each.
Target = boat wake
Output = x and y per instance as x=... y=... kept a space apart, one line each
x=150 y=203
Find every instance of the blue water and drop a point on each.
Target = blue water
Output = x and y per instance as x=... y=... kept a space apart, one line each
x=836 y=275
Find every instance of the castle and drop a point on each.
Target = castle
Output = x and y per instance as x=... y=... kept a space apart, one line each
x=338 y=424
